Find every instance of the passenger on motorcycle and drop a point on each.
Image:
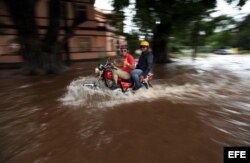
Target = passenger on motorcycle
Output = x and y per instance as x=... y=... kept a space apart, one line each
x=123 y=71
x=143 y=67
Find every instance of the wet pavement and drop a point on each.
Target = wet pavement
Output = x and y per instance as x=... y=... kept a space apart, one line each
x=193 y=111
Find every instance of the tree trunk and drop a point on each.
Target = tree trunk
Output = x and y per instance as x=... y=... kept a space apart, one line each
x=159 y=49
x=160 y=43
x=22 y=13
x=52 y=56
x=66 y=29
x=195 y=36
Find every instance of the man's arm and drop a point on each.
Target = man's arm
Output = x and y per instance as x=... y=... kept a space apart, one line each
x=149 y=65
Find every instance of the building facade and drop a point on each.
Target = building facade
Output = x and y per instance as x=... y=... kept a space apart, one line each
x=94 y=38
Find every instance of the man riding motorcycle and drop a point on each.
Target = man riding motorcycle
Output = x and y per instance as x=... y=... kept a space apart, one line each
x=144 y=65
x=123 y=70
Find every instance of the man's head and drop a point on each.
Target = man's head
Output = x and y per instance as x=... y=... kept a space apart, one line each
x=124 y=50
x=144 y=46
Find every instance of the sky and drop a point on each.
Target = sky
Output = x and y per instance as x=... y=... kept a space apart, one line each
x=103 y=4
x=222 y=9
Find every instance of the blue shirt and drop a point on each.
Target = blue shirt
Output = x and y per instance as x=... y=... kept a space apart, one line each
x=145 y=63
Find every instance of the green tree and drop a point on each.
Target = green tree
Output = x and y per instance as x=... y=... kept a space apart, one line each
x=243 y=35
x=228 y=33
x=239 y=2
x=133 y=41
x=203 y=32
x=116 y=20
x=162 y=17
x=42 y=55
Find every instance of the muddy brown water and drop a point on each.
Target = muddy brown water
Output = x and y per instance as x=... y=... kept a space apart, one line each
x=194 y=110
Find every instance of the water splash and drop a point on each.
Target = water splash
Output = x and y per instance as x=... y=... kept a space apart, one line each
x=79 y=95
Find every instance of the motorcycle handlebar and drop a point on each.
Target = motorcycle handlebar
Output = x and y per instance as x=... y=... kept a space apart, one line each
x=106 y=66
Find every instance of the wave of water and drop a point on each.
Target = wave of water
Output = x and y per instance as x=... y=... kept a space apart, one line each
x=79 y=95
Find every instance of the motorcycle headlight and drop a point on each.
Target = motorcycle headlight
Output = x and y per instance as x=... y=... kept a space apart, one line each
x=97 y=70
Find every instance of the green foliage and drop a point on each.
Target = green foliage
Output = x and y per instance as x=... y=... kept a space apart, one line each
x=116 y=20
x=174 y=13
x=133 y=41
x=120 y=4
x=214 y=32
x=243 y=36
x=243 y=40
x=239 y=2
x=245 y=52
x=239 y=36
x=180 y=22
x=221 y=40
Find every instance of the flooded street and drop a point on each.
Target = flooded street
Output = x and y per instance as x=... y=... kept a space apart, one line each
x=193 y=110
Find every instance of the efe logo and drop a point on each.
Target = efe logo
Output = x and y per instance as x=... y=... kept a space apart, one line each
x=236 y=154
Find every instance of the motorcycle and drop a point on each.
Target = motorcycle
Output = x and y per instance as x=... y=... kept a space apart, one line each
x=104 y=73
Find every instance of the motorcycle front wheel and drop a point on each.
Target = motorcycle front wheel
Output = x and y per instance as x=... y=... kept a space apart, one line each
x=108 y=83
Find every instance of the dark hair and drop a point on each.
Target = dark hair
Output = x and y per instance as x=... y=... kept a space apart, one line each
x=124 y=47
